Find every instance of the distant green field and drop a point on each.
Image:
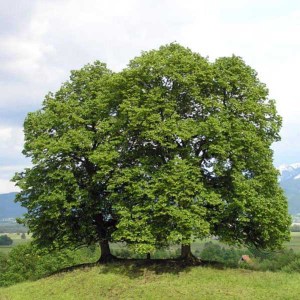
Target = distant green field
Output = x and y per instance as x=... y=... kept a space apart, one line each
x=132 y=282
x=294 y=242
x=16 y=241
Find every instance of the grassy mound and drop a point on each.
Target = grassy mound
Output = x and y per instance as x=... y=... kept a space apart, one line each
x=157 y=282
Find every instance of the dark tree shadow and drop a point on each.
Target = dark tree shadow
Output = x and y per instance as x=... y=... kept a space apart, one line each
x=135 y=268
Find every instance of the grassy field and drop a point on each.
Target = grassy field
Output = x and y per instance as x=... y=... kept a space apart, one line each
x=132 y=282
x=294 y=243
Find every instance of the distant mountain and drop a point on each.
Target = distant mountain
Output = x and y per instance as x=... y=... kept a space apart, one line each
x=8 y=208
x=290 y=182
x=288 y=172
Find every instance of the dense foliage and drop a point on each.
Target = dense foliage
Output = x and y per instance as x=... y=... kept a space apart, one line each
x=171 y=149
x=24 y=262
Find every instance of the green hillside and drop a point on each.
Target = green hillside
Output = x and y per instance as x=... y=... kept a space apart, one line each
x=117 y=282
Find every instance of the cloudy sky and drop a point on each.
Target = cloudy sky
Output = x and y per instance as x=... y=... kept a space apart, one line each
x=42 y=40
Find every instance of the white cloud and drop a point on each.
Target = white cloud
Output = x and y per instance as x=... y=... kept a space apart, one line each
x=6 y=187
x=11 y=139
x=24 y=56
x=6 y=174
x=5 y=135
x=11 y=145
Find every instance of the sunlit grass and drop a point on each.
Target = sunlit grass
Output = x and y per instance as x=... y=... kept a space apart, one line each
x=131 y=282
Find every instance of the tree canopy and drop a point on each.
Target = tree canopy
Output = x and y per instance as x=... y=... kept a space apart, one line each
x=170 y=149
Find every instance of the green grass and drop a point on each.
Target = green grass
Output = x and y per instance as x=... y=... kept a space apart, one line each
x=132 y=282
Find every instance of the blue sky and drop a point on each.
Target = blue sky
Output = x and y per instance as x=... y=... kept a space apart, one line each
x=42 y=40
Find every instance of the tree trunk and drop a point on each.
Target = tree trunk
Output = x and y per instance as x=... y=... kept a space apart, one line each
x=186 y=251
x=106 y=255
x=187 y=255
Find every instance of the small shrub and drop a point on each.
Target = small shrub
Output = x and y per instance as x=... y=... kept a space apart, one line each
x=212 y=252
x=215 y=253
x=5 y=240
x=25 y=263
x=293 y=266
x=285 y=260
x=122 y=253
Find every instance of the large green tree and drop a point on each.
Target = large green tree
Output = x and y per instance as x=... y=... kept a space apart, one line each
x=69 y=143
x=200 y=164
x=170 y=149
